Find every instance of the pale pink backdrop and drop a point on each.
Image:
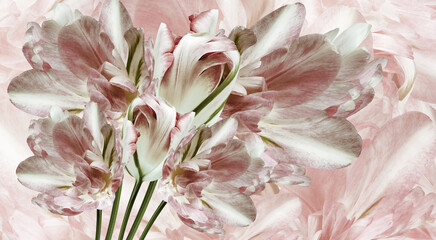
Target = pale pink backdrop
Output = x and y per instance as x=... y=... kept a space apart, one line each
x=388 y=193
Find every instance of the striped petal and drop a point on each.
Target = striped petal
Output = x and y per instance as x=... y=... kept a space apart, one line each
x=317 y=142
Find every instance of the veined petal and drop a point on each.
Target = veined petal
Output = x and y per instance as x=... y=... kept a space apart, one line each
x=274 y=31
x=94 y=121
x=82 y=46
x=317 y=142
x=110 y=98
x=302 y=72
x=44 y=174
x=35 y=92
x=135 y=63
x=115 y=21
x=71 y=138
x=231 y=207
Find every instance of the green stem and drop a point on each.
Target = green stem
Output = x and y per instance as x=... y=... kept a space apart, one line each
x=98 y=225
x=152 y=219
x=114 y=213
x=132 y=199
x=142 y=209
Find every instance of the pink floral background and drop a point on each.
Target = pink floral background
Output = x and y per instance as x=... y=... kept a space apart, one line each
x=388 y=193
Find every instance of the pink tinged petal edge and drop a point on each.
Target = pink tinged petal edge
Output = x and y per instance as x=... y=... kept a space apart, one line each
x=72 y=139
x=111 y=99
x=83 y=46
x=204 y=22
x=35 y=92
x=162 y=52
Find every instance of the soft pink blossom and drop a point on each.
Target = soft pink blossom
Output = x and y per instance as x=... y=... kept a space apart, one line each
x=300 y=89
x=204 y=179
x=75 y=165
x=76 y=58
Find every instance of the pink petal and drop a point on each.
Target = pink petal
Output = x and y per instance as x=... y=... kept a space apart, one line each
x=394 y=173
x=108 y=96
x=204 y=22
x=150 y=14
x=162 y=52
x=302 y=72
x=83 y=47
x=275 y=31
x=71 y=138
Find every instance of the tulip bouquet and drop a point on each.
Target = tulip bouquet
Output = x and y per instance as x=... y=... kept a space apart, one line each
x=211 y=118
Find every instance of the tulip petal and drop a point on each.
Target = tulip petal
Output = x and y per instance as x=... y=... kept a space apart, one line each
x=208 y=110
x=71 y=138
x=154 y=124
x=317 y=142
x=302 y=72
x=115 y=21
x=205 y=22
x=82 y=46
x=35 y=92
x=95 y=120
x=196 y=71
x=231 y=207
x=394 y=173
x=352 y=37
x=135 y=64
x=162 y=52
x=274 y=31
x=44 y=175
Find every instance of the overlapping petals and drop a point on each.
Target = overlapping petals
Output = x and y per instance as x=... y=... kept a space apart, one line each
x=77 y=59
x=299 y=89
x=202 y=73
x=160 y=129
x=75 y=166
x=203 y=180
